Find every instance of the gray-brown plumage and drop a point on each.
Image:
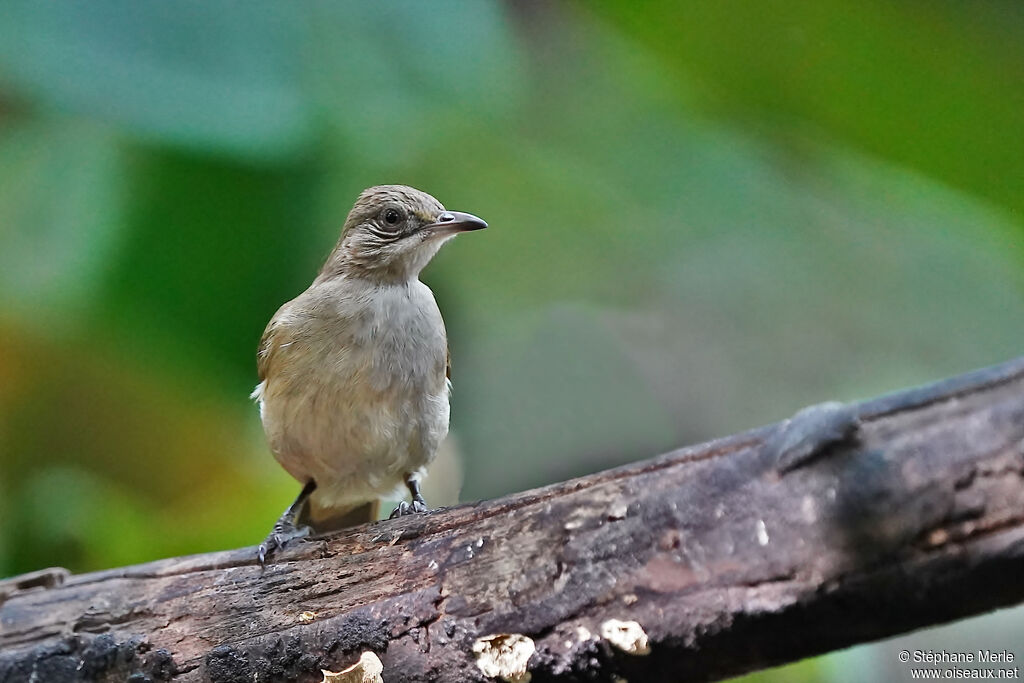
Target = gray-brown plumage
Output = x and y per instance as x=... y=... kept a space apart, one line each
x=353 y=372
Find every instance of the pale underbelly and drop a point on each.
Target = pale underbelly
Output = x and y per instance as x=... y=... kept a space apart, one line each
x=356 y=446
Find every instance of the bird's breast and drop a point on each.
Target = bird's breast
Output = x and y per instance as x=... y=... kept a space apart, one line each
x=380 y=354
x=363 y=391
x=400 y=341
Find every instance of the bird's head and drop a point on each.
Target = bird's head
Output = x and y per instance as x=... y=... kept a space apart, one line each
x=392 y=232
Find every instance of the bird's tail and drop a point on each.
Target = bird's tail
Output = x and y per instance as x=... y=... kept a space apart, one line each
x=331 y=519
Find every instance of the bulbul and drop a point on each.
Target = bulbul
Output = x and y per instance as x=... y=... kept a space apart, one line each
x=354 y=372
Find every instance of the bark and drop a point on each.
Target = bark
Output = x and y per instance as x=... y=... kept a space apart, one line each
x=700 y=564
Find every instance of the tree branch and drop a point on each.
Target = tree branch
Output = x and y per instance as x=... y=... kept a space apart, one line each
x=699 y=564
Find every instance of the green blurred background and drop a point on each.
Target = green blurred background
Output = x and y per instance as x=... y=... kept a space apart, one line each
x=704 y=215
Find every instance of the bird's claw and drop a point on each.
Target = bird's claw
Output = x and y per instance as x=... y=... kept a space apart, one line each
x=417 y=505
x=279 y=538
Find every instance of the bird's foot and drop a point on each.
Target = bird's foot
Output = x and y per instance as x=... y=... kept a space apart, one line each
x=285 y=529
x=810 y=433
x=404 y=508
x=279 y=538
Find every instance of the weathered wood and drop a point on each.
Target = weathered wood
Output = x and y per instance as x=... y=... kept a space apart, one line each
x=720 y=561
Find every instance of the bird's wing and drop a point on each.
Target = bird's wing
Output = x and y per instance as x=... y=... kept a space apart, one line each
x=448 y=363
x=271 y=341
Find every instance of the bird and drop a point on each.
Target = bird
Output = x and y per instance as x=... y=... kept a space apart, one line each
x=354 y=372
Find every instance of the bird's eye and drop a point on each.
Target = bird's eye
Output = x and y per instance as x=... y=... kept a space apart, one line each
x=392 y=216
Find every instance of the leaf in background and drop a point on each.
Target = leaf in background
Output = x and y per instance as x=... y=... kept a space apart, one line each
x=260 y=80
x=212 y=249
x=215 y=76
x=61 y=200
x=392 y=78
x=935 y=86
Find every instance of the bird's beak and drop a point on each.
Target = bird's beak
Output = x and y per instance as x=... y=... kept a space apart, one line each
x=452 y=222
